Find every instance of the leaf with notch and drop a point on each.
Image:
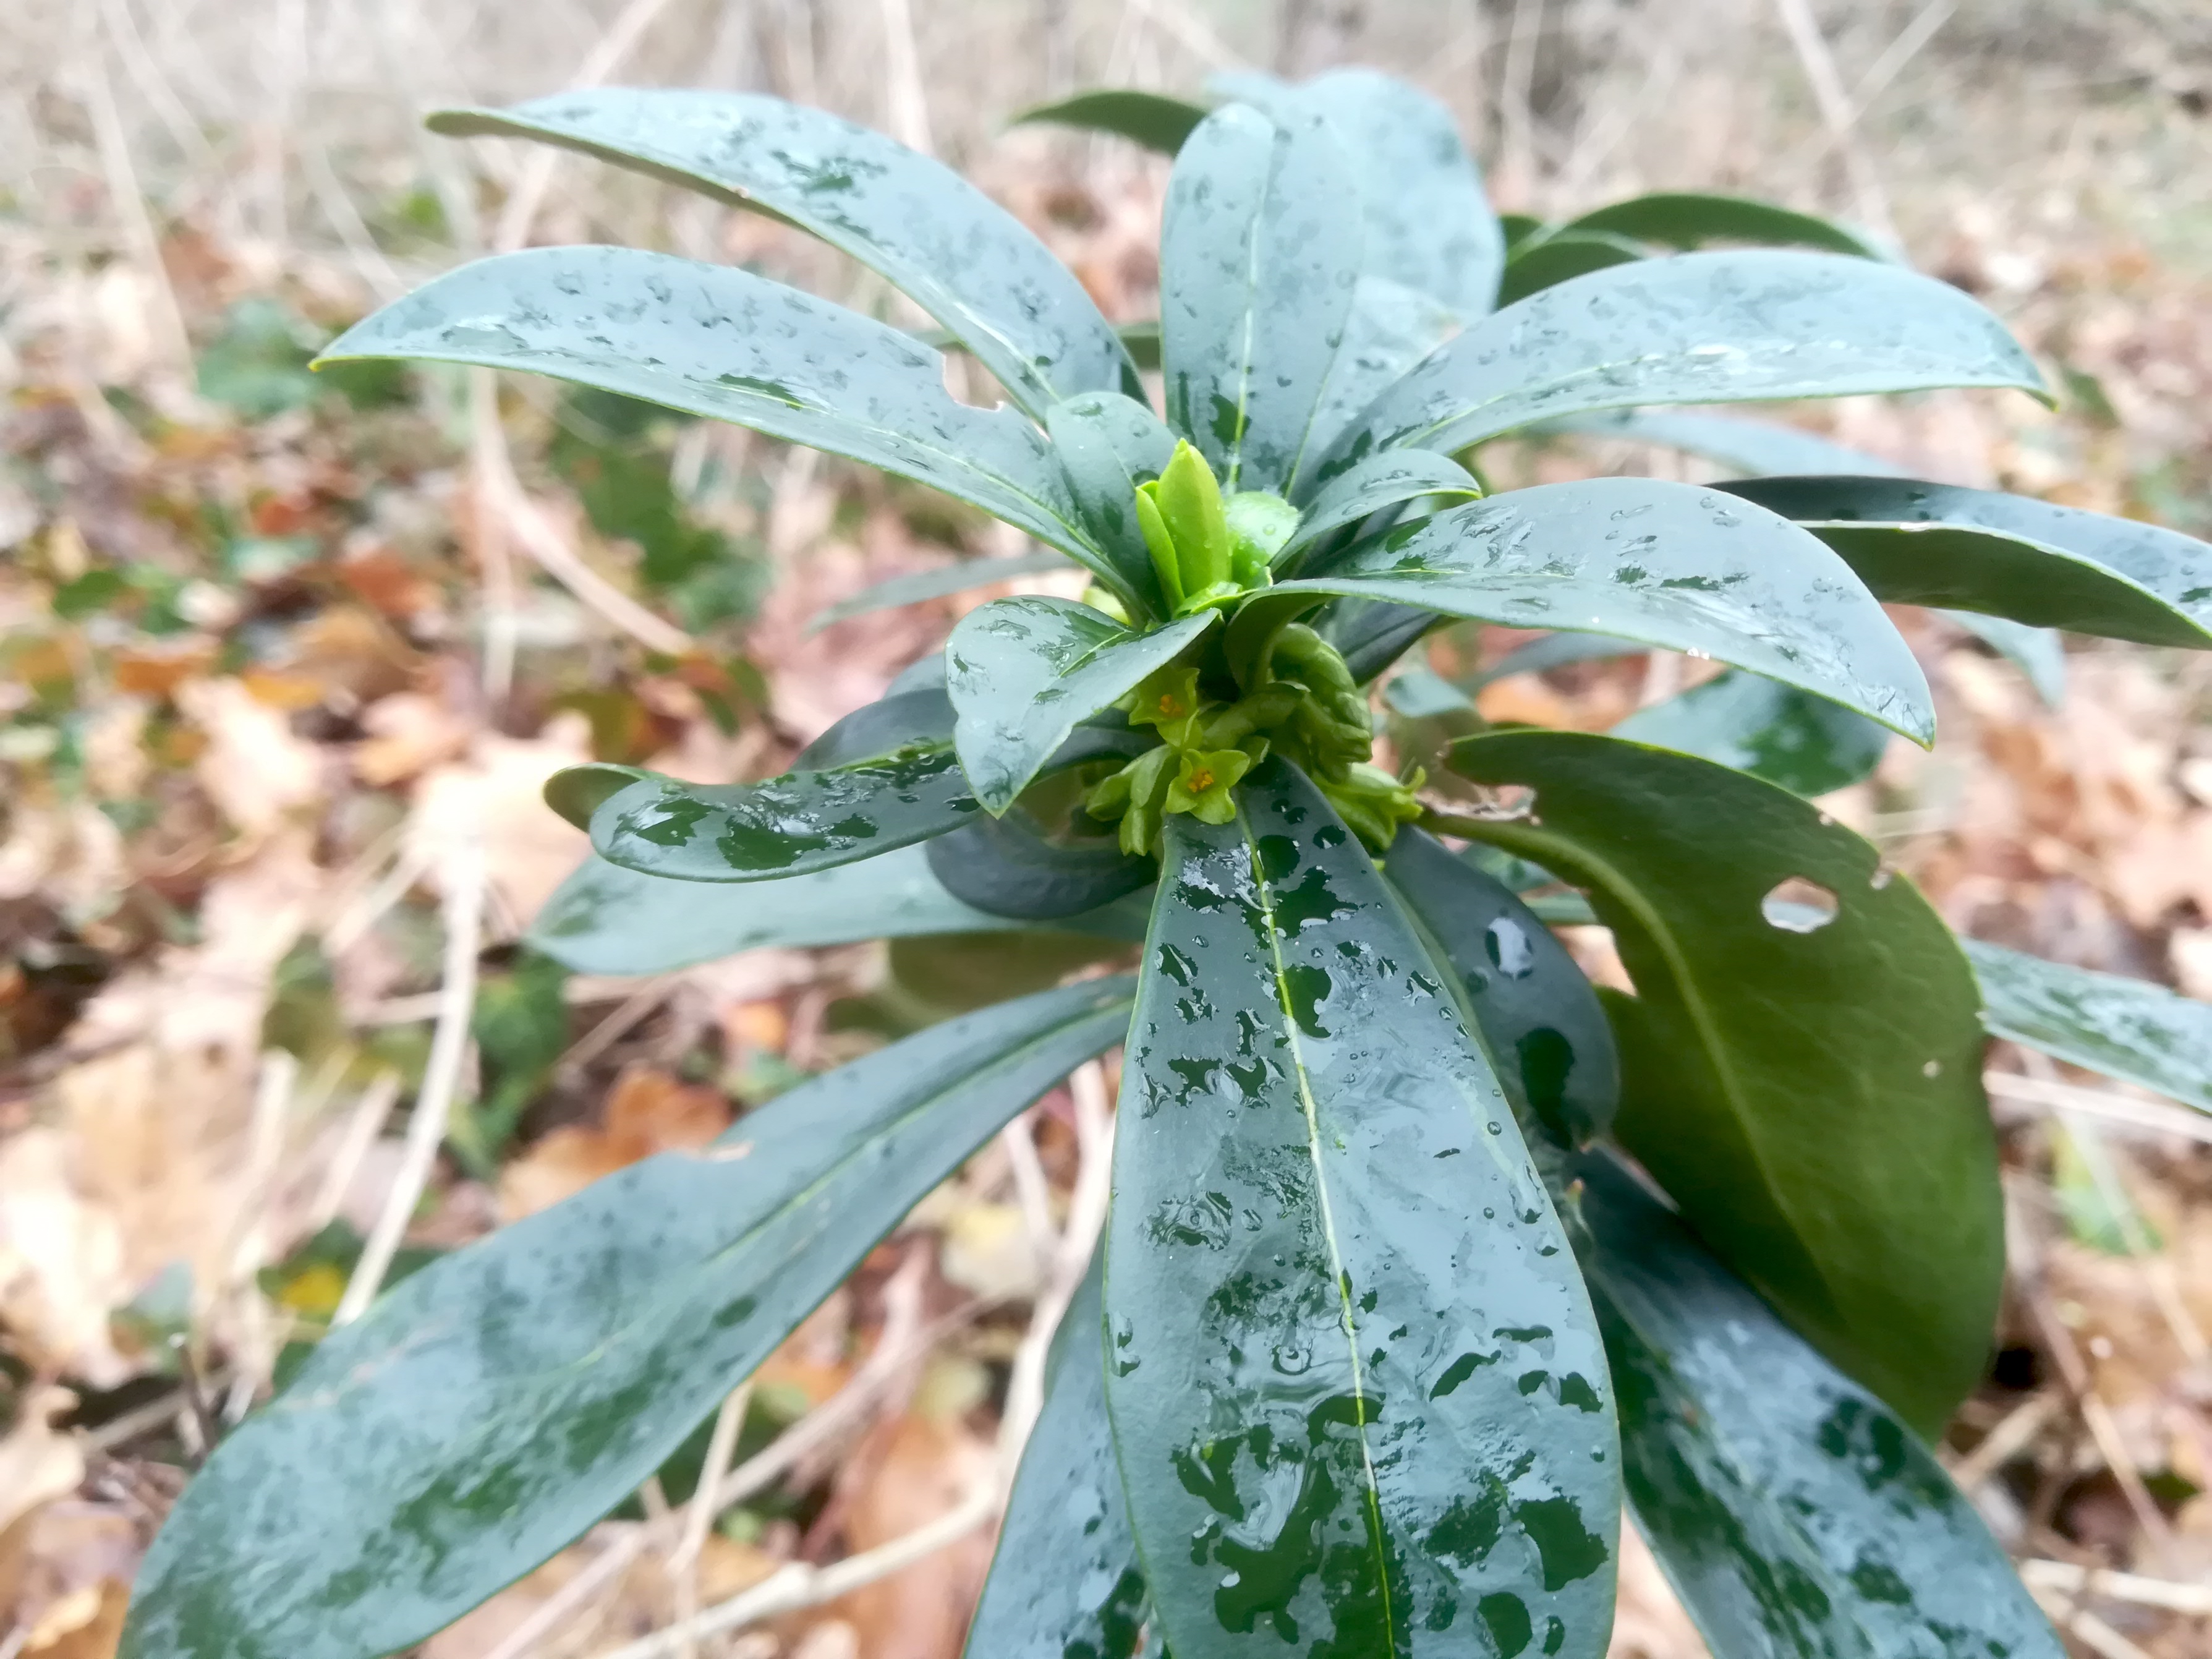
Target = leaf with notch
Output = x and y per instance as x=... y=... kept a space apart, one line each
x=1803 y=742
x=1106 y=445
x=1023 y=672
x=489 y=1409
x=1151 y=119
x=1671 y=565
x=1064 y=1582
x=1389 y=479
x=928 y=231
x=1695 y=328
x=1539 y=1018
x=1560 y=257
x=1981 y=549
x=1811 y=1099
x=1795 y=1516
x=1688 y=219
x=1359 y=1402
x=2129 y=1029
x=1256 y=289
x=926 y=585
x=723 y=343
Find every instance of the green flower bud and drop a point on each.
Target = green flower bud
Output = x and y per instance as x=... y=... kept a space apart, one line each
x=1189 y=502
x=1260 y=523
x=1160 y=543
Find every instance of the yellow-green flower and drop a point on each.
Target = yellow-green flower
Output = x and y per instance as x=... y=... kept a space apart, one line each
x=1202 y=783
x=1169 y=700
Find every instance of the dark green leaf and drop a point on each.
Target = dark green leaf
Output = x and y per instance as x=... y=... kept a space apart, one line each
x=487 y=1410
x=2129 y=1029
x=1359 y=1402
x=1797 y=1518
x=898 y=719
x=1696 y=328
x=1004 y=866
x=1518 y=228
x=935 y=585
x=1560 y=257
x=2038 y=653
x=1142 y=341
x=1805 y=743
x=1066 y=1582
x=723 y=343
x=1688 y=221
x=1256 y=288
x=1753 y=447
x=1392 y=327
x=1108 y=445
x=1980 y=550
x=607 y=920
x=1539 y=1018
x=1387 y=480
x=1371 y=635
x=1023 y=671
x=1151 y=119
x=1800 y=1064
x=933 y=235
x=1671 y=565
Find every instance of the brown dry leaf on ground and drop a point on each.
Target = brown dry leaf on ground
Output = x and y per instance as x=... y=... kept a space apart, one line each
x=496 y=796
x=648 y=1112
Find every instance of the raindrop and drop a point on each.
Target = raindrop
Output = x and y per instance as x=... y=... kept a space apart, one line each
x=1231 y=1580
x=1497 y=1128
x=1933 y=1068
x=1798 y=906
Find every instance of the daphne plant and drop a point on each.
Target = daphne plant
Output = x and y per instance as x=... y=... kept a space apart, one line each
x=1423 y=1253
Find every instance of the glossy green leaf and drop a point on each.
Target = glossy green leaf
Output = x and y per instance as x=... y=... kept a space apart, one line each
x=925 y=585
x=2128 y=1029
x=1795 y=1517
x=1389 y=479
x=1005 y=867
x=1372 y=635
x=1392 y=327
x=1106 y=445
x=1980 y=550
x=1023 y=671
x=1359 y=1402
x=1256 y=287
x=1688 y=219
x=1425 y=218
x=1753 y=447
x=723 y=343
x=932 y=234
x=1805 y=743
x=1563 y=255
x=1695 y=328
x=1151 y=119
x=898 y=719
x=577 y=792
x=2038 y=653
x=1805 y=1083
x=1066 y=1582
x=1537 y=1016
x=1671 y=565
x=490 y=1409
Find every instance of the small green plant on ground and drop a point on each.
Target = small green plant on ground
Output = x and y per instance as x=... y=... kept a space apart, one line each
x=1423 y=1254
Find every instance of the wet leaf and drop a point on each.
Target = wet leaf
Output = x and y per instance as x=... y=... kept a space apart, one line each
x=1108 y=445
x=1752 y=447
x=925 y=585
x=1696 y=328
x=1670 y=565
x=1359 y=1399
x=1806 y=744
x=1372 y=635
x=713 y=340
x=2128 y=1029
x=1980 y=550
x=1547 y=261
x=1066 y=1582
x=1005 y=867
x=1804 y=1082
x=1795 y=1515
x=1256 y=281
x=491 y=1408
x=1538 y=1018
x=1688 y=219
x=1023 y=671
x=1390 y=479
x=1391 y=328
x=933 y=235
x=897 y=721
x=1151 y=119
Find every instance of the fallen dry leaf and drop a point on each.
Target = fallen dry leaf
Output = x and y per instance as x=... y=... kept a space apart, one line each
x=408 y=734
x=928 y=1467
x=254 y=768
x=496 y=796
x=648 y=1112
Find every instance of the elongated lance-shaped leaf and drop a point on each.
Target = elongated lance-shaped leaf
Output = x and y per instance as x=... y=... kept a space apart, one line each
x=1689 y=220
x=897 y=721
x=2038 y=653
x=1008 y=867
x=1392 y=327
x=1023 y=671
x=928 y=231
x=1695 y=328
x=1806 y=744
x=1752 y=447
x=1801 y=1063
x=1796 y=1517
x=723 y=343
x=1671 y=565
x=2125 y=1028
x=1358 y=1398
x=926 y=585
x=1106 y=445
x=1256 y=282
x=1151 y=119
x=1389 y=479
x=1561 y=257
x=1426 y=219
x=1539 y=1018
x=1981 y=549
x=490 y=1409
x=1066 y=1582
x=1372 y=633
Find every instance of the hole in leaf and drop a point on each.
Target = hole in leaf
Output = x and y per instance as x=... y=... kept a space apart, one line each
x=1798 y=906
